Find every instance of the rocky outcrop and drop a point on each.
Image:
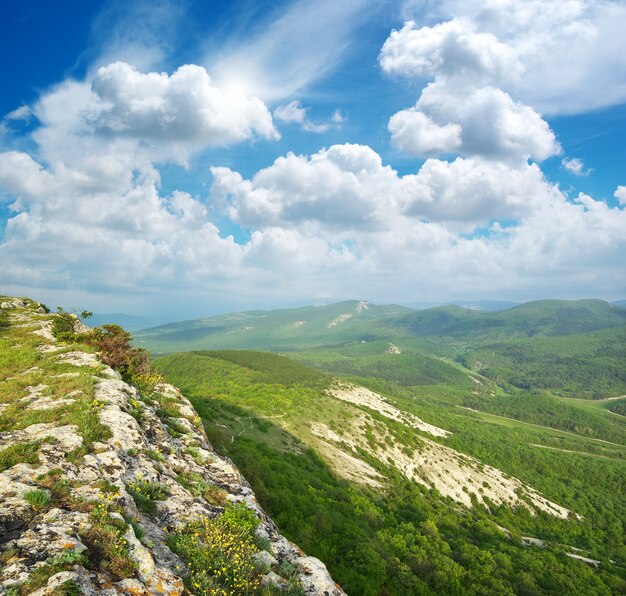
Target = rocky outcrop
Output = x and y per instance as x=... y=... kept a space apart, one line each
x=71 y=493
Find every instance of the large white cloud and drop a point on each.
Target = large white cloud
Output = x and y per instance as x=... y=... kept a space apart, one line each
x=494 y=67
x=185 y=106
x=559 y=56
x=348 y=187
x=460 y=224
x=453 y=47
x=344 y=186
x=88 y=212
x=482 y=121
x=336 y=224
x=145 y=116
x=90 y=200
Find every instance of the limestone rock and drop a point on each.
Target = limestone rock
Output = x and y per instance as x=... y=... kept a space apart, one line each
x=141 y=448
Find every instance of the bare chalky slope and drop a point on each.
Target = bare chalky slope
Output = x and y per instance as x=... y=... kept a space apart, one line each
x=459 y=476
x=108 y=489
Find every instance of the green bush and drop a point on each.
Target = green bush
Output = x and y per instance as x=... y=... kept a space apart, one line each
x=63 y=326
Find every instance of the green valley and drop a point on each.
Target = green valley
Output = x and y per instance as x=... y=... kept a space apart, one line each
x=401 y=486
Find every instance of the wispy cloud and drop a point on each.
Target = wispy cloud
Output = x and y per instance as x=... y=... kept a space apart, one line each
x=300 y=46
x=21 y=113
x=294 y=113
x=575 y=166
x=140 y=32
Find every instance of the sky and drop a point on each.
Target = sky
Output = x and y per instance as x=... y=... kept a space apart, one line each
x=179 y=158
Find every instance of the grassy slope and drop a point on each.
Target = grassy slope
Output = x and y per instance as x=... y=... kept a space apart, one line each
x=260 y=410
x=23 y=368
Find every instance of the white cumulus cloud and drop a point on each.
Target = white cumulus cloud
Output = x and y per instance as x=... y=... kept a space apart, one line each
x=453 y=48
x=412 y=131
x=149 y=116
x=330 y=225
x=185 y=106
x=559 y=56
x=463 y=109
x=348 y=187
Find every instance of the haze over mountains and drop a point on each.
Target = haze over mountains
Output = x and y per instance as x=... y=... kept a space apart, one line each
x=363 y=321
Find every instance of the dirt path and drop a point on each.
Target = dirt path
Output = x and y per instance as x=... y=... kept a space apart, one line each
x=576 y=452
x=556 y=430
x=609 y=399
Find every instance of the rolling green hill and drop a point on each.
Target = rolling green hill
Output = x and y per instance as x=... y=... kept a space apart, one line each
x=568 y=348
x=277 y=329
x=384 y=440
x=538 y=318
x=344 y=322
x=395 y=482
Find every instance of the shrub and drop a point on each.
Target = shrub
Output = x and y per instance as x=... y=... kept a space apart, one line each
x=218 y=553
x=115 y=348
x=63 y=326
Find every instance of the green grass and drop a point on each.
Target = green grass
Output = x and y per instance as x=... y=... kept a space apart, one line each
x=38 y=498
x=22 y=367
x=21 y=453
x=146 y=494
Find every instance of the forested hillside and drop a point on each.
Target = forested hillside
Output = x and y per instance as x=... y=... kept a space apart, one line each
x=328 y=464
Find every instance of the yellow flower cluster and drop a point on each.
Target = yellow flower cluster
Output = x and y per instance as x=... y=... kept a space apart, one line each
x=219 y=557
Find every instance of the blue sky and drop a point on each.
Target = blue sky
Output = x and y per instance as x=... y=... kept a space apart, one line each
x=182 y=158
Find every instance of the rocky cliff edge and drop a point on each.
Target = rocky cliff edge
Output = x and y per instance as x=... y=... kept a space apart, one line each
x=105 y=489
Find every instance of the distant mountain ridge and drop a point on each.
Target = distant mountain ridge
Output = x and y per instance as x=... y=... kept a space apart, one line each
x=361 y=321
x=540 y=317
